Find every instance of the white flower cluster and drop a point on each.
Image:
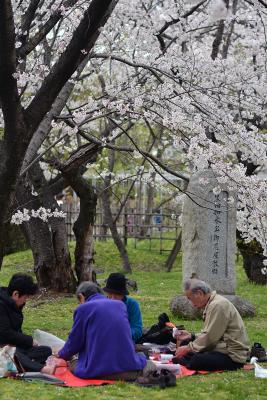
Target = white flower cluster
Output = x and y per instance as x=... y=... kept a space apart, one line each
x=211 y=109
x=44 y=214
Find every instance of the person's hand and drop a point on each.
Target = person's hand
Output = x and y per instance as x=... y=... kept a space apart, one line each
x=55 y=354
x=35 y=343
x=182 y=335
x=182 y=351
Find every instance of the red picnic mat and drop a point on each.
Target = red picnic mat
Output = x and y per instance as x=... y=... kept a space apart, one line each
x=62 y=372
x=189 y=372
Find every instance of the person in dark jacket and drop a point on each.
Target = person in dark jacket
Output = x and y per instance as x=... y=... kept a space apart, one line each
x=116 y=290
x=12 y=300
x=101 y=337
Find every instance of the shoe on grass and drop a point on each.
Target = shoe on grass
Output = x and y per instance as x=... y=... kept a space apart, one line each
x=258 y=351
x=151 y=379
x=169 y=377
x=162 y=379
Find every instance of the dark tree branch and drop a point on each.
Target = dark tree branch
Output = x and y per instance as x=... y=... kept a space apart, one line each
x=133 y=182
x=262 y=3
x=45 y=126
x=40 y=156
x=251 y=167
x=163 y=202
x=31 y=44
x=27 y=19
x=58 y=185
x=83 y=155
x=228 y=40
x=131 y=150
x=150 y=156
x=127 y=62
x=175 y=21
x=232 y=24
x=83 y=38
x=218 y=40
x=12 y=110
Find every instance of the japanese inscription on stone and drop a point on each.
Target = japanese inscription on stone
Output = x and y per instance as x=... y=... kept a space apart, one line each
x=209 y=233
x=217 y=228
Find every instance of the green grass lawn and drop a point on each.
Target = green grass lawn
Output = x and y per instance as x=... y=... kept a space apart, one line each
x=155 y=290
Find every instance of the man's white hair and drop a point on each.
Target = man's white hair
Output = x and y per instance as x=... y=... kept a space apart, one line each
x=88 y=288
x=196 y=284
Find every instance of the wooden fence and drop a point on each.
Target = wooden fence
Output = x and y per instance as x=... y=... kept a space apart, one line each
x=160 y=233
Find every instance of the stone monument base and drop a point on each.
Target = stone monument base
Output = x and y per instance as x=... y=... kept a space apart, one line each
x=182 y=307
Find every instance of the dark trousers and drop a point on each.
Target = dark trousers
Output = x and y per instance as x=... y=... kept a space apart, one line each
x=33 y=359
x=129 y=376
x=208 y=361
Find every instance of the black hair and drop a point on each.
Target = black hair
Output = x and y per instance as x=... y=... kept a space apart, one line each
x=22 y=283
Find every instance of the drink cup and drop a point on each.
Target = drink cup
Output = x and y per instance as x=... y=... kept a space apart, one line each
x=155 y=354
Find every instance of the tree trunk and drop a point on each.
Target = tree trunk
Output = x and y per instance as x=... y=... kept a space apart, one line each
x=83 y=226
x=39 y=238
x=84 y=251
x=252 y=254
x=20 y=123
x=109 y=218
x=150 y=199
x=48 y=240
x=149 y=207
x=104 y=225
x=63 y=276
x=114 y=231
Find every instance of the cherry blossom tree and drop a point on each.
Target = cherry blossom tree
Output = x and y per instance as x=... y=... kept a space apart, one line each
x=199 y=71
x=196 y=70
x=29 y=88
x=193 y=70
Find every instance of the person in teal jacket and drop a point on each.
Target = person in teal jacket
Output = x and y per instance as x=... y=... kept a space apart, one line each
x=116 y=290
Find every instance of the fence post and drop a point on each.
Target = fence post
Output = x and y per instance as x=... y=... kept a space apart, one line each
x=125 y=228
x=173 y=254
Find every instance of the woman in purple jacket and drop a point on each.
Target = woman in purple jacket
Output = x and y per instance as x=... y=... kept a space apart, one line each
x=101 y=337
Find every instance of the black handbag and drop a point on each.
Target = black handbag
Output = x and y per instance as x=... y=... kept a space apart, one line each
x=159 y=333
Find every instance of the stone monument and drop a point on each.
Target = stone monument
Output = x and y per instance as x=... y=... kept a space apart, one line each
x=209 y=241
x=209 y=234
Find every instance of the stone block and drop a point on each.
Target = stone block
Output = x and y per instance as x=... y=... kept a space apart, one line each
x=181 y=307
x=209 y=233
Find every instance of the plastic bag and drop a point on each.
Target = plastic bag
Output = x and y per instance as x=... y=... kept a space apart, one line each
x=7 y=365
x=38 y=376
x=47 y=339
x=260 y=372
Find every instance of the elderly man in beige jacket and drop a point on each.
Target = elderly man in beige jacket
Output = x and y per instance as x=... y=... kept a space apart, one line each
x=223 y=342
